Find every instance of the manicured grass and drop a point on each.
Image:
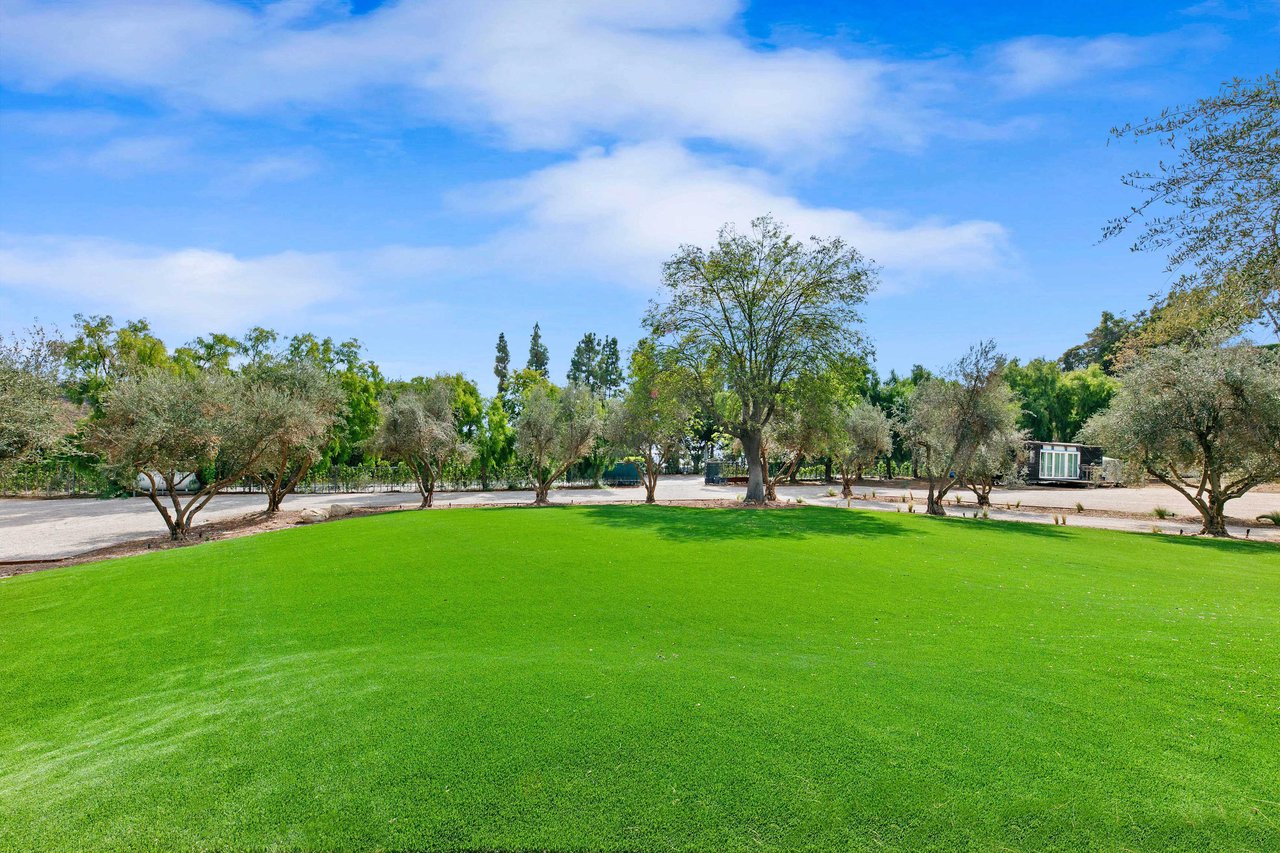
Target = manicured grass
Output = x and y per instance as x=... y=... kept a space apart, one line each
x=640 y=678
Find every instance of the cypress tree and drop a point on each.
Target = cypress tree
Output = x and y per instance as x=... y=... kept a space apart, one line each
x=502 y=364
x=539 y=358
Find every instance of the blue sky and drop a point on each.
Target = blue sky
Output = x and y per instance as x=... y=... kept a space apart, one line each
x=423 y=175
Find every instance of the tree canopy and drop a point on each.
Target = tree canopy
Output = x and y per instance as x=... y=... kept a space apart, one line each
x=863 y=434
x=308 y=404
x=1214 y=207
x=1203 y=421
x=652 y=416
x=950 y=419
x=502 y=364
x=167 y=427
x=757 y=310
x=35 y=418
x=418 y=428
x=555 y=428
x=596 y=363
x=539 y=358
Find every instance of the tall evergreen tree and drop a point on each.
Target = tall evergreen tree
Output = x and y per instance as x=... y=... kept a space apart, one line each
x=597 y=364
x=582 y=366
x=539 y=358
x=502 y=365
x=609 y=368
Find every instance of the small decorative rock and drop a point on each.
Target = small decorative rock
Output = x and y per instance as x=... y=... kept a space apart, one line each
x=311 y=515
x=339 y=510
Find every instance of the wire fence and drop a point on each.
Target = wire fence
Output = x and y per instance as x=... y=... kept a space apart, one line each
x=732 y=470
x=54 y=479
x=60 y=479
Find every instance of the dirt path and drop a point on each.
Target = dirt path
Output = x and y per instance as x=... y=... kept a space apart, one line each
x=53 y=529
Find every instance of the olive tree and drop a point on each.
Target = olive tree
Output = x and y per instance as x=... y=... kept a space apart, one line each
x=950 y=418
x=1204 y=421
x=554 y=429
x=1214 y=205
x=864 y=434
x=164 y=428
x=999 y=459
x=305 y=403
x=35 y=417
x=651 y=419
x=418 y=429
x=805 y=422
x=757 y=310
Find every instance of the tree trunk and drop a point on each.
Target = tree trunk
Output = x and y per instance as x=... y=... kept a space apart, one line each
x=1215 y=518
x=847 y=490
x=934 y=505
x=540 y=491
x=755 y=470
x=426 y=486
x=770 y=482
x=164 y=513
x=651 y=468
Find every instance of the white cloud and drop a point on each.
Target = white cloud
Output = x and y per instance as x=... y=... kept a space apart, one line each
x=188 y=290
x=538 y=74
x=269 y=168
x=127 y=156
x=618 y=215
x=544 y=75
x=606 y=219
x=60 y=123
x=1219 y=9
x=1026 y=66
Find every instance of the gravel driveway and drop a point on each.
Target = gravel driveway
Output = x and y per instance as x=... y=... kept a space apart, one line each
x=33 y=529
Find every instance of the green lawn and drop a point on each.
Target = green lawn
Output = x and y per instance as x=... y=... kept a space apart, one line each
x=641 y=678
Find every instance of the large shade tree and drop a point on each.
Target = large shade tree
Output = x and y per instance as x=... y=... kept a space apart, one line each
x=554 y=429
x=100 y=353
x=362 y=385
x=1205 y=422
x=950 y=418
x=1055 y=404
x=651 y=418
x=418 y=428
x=759 y=309
x=1102 y=344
